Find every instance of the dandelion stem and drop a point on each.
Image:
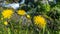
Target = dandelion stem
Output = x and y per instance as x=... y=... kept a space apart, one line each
x=27 y=31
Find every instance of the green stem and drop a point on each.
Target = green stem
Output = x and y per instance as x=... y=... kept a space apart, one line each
x=27 y=31
x=39 y=32
x=44 y=29
x=9 y=32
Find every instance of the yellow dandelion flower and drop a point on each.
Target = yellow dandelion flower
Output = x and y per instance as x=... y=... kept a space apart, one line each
x=21 y=12
x=7 y=13
x=40 y=21
x=28 y=16
x=5 y=23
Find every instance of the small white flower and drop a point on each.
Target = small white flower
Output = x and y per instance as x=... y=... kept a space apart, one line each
x=50 y=0
x=23 y=1
x=13 y=5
